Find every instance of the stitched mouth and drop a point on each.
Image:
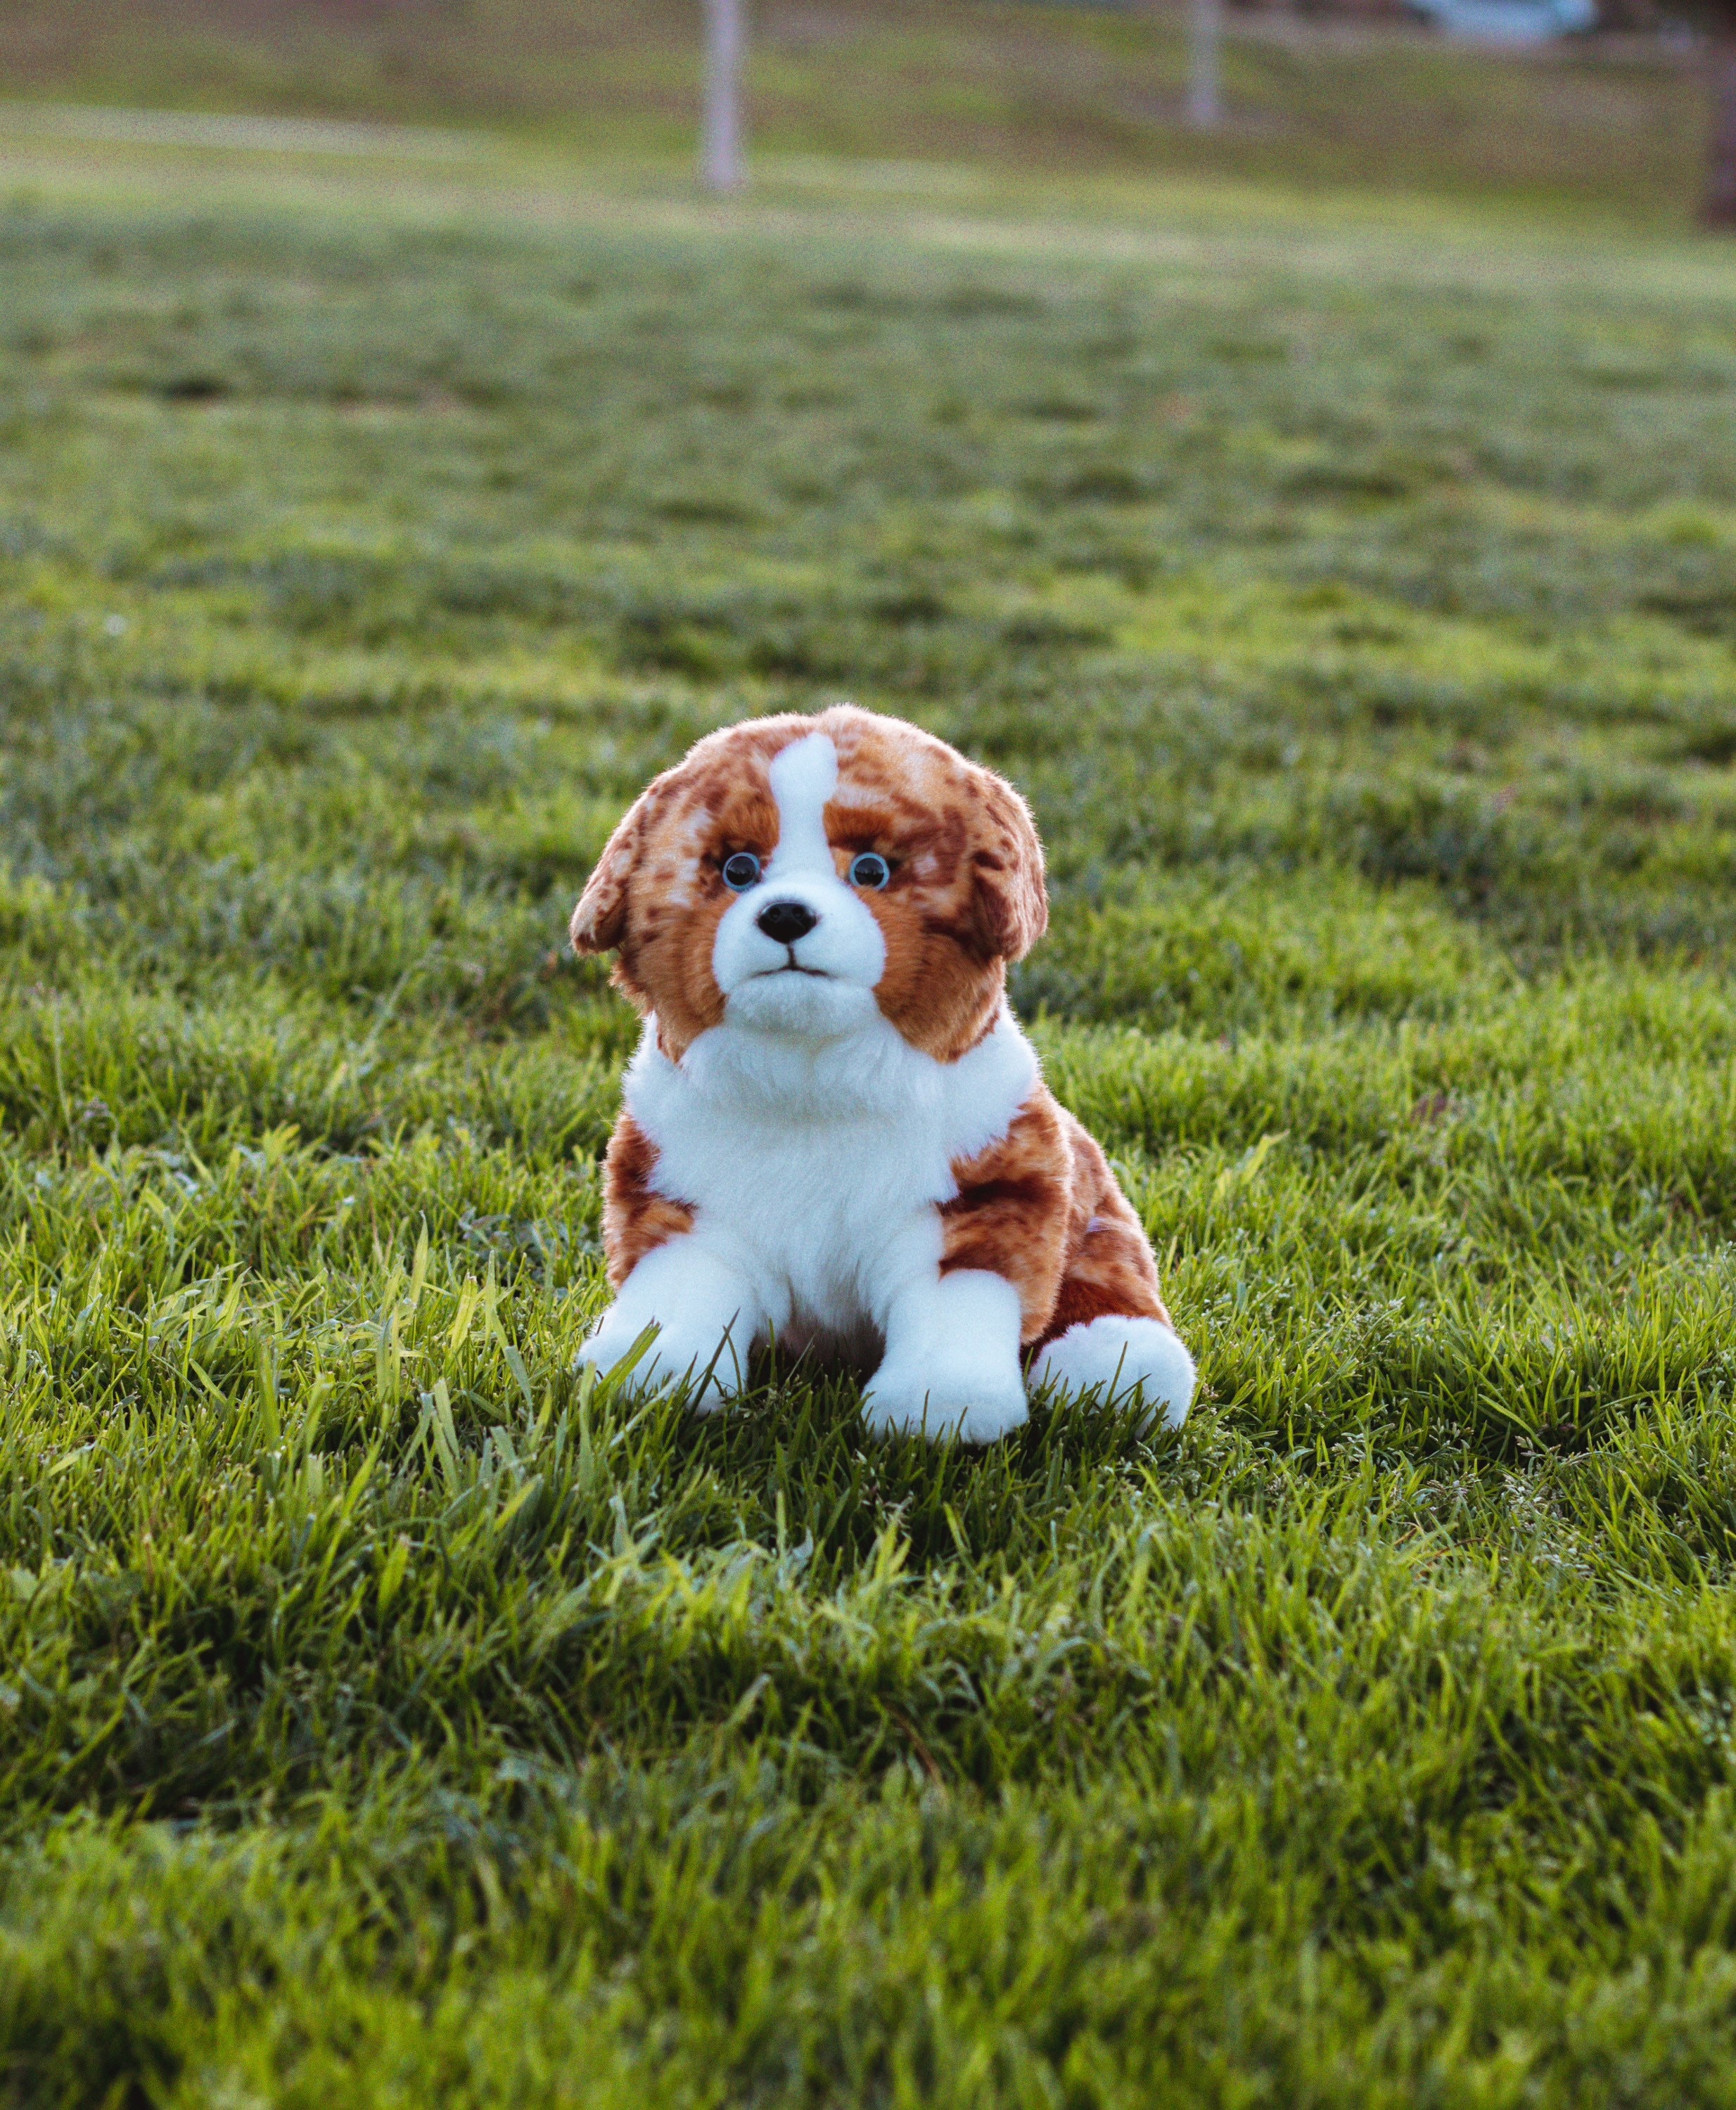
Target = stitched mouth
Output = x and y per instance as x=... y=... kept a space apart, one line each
x=790 y=967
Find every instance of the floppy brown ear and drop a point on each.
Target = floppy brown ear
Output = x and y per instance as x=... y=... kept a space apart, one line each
x=599 y=921
x=1011 y=898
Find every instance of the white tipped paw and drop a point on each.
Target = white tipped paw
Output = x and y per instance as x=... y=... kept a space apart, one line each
x=704 y=1319
x=677 y=1355
x=1112 y=1356
x=973 y=1404
x=951 y=1366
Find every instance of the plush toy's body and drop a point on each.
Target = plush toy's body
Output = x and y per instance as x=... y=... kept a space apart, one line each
x=834 y=1127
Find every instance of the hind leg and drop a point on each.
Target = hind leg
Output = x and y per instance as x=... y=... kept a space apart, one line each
x=1109 y=1331
x=1113 y=1353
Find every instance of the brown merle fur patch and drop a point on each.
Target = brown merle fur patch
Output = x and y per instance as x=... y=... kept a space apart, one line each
x=1042 y=1208
x=635 y=1220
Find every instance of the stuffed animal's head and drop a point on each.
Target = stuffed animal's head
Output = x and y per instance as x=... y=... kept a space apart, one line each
x=798 y=874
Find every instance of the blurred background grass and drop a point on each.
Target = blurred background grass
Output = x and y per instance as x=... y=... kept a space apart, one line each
x=1614 y=123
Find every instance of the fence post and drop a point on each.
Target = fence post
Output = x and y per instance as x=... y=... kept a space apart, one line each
x=1719 y=206
x=1205 y=39
x=720 y=138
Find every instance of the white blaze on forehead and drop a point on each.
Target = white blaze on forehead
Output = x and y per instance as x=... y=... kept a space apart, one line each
x=843 y=953
x=803 y=777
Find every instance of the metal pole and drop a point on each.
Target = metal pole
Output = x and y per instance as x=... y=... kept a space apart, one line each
x=1204 y=103
x=720 y=139
x=1719 y=207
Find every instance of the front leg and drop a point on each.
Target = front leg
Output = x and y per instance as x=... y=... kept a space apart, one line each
x=706 y=1314
x=952 y=1361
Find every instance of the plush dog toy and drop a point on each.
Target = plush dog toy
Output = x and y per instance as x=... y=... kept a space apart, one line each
x=833 y=1127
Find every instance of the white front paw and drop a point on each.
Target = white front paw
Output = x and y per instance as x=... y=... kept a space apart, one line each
x=974 y=1402
x=697 y=1356
x=952 y=1365
x=705 y=1318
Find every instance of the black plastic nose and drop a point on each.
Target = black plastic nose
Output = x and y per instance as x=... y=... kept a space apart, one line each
x=784 y=922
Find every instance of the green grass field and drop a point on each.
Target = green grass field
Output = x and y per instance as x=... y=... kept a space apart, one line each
x=385 y=1718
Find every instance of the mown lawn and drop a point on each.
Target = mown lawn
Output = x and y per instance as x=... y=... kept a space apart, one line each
x=387 y=1719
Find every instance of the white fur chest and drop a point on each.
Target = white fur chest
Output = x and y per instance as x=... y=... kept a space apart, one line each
x=818 y=1168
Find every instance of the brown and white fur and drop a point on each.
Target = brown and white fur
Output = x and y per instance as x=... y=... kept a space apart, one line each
x=844 y=1137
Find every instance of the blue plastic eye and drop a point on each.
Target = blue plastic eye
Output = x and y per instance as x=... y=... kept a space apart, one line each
x=741 y=871
x=870 y=869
